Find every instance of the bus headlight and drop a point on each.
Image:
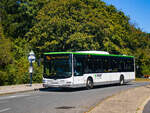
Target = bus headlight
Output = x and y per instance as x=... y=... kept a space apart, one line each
x=44 y=81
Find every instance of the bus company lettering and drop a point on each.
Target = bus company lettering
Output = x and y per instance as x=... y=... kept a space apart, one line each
x=98 y=75
x=56 y=57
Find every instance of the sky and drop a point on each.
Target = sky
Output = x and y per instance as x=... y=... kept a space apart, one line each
x=137 y=10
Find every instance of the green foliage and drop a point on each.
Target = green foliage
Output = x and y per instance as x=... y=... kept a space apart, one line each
x=80 y=41
x=20 y=48
x=1 y=32
x=146 y=69
x=14 y=63
x=5 y=52
x=64 y=25
x=38 y=73
x=19 y=16
x=5 y=57
x=62 y=22
x=3 y=77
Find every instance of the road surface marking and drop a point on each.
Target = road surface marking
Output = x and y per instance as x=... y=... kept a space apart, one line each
x=13 y=96
x=33 y=97
x=3 y=110
x=1 y=102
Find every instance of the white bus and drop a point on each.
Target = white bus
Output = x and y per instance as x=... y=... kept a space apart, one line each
x=86 y=69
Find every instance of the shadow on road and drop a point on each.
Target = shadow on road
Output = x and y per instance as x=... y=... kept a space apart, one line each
x=80 y=89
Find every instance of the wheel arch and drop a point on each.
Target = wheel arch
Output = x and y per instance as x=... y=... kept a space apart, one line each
x=89 y=86
x=89 y=77
x=121 y=76
x=122 y=79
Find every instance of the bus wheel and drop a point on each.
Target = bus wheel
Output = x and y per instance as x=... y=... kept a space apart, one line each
x=89 y=83
x=121 y=80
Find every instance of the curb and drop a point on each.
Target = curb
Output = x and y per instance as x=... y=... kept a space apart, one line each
x=35 y=89
x=141 y=108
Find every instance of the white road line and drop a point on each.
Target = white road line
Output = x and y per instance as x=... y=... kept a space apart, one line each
x=3 y=110
x=1 y=102
x=33 y=97
x=13 y=96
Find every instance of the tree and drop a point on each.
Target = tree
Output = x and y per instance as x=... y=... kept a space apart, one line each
x=65 y=25
x=5 y=56
x=19 y=16
x=59 y=21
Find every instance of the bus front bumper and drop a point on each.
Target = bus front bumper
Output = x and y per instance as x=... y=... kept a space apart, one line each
x=58 y=86
x=63 y=85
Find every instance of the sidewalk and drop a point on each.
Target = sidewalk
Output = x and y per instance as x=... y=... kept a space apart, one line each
x=129 y=101
x=19 y=88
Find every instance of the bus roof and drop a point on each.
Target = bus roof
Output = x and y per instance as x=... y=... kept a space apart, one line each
x=100 y=53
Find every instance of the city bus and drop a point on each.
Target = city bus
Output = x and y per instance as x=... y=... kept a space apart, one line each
x=86 y=69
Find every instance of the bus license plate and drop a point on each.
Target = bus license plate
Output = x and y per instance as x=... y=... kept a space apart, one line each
x=54 y=82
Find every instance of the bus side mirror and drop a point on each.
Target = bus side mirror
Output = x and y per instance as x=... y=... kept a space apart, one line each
x=40 y=61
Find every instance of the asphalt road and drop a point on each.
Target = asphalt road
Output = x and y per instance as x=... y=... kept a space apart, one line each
x=147 y=108
x=59 y=101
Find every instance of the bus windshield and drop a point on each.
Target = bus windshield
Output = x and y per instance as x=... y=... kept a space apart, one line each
x=57 y=67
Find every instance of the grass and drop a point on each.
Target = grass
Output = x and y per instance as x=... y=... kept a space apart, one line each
x=142 y=80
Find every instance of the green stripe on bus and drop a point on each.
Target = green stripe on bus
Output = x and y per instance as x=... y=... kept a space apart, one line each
x=86 y=54
x=102 y=54
x=57 y=53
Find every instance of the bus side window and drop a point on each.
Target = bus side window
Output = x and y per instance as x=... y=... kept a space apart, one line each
x=86 y=69
x=115 y=65
x=105 y=61
x=78 y=67
x=88 y=64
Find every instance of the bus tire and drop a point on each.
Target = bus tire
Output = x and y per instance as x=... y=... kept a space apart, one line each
x=89 y=83
x=121 y=80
